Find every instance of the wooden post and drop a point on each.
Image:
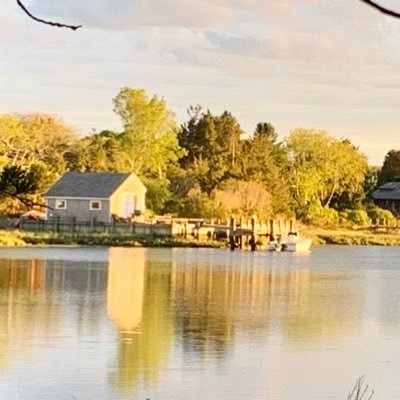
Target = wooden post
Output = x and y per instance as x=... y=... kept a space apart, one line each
x=253 y=245
x=73 y=221
x=172 y=227
x=56 y=224
x=92 y=224
x=253 y=233
x=232 y=229
x=272 y=228
x=254 y=224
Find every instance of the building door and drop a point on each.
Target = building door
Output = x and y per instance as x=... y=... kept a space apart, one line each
x=128 y=205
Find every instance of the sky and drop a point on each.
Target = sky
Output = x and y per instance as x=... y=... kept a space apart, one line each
x=332 y=65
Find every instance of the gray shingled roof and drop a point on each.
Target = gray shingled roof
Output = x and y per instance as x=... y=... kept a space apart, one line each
x=87 y=184
x=388 y=191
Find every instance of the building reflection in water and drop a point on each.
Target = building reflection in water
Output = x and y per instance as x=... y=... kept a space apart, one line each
x=204 y=308
x=138 y=294
x=36 y=296
x=26 y=310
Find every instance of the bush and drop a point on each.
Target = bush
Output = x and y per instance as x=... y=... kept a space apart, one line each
x=328 y=216
x=358 y=217
x=376 y=213
x=322 y=216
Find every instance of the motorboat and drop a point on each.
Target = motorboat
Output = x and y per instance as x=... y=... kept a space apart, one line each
x=292 y=243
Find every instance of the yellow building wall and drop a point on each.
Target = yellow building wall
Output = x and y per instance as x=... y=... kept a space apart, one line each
x=131 y=187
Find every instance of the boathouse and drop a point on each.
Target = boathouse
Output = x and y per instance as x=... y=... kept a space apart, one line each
x=387 y=196
x=100 y=196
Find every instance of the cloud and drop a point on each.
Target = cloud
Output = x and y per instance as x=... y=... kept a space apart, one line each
x=328 y=64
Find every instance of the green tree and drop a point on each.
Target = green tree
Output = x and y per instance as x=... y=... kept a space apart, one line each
x=18 y=183
x=149 y=143
x=99 y=152
x=371 y=182
x=266 y=130
x=213 y=145
x=265 y=161
x=149 y=140
x=27 y=139
x=322 y=168
x=390 y=171
x=34 y=144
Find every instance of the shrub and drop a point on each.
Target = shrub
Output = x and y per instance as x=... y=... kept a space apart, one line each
x=358 y=217
x=323 y=216
x=376 y=213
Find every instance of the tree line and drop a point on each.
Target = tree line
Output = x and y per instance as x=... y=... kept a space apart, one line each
x=206 y=167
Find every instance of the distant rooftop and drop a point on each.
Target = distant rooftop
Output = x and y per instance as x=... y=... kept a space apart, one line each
x=87 y=184
x=388 y=191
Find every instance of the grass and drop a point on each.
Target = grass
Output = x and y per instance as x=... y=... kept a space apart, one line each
x=16 y=238
x=351 y=237
x=319 y=236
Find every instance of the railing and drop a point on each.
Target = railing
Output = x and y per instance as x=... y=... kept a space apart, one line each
x=73 y=225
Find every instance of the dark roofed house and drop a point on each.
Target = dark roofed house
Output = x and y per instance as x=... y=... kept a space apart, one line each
x=99 y=195
x=388 y=196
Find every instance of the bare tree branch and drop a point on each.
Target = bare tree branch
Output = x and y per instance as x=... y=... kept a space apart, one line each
x=56 y=24
x=382 y=9
x=360 y=391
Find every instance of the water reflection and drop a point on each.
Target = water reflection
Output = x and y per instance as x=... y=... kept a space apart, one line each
x=27 y=312
x=138 y=295
x=202 y=306
x=139 y=316
x=33 y=309
x=213 y=303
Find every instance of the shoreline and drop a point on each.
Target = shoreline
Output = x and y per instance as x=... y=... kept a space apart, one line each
x=319 y=237
x=350 y=237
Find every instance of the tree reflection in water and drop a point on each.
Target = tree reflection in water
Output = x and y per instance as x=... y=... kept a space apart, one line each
x=203 y=307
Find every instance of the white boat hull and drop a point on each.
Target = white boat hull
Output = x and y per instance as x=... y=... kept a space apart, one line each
x=298 y=246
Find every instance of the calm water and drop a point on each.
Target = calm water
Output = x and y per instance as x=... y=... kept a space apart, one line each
x=96 y=324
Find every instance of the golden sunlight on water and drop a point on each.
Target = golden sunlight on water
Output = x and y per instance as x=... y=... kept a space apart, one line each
x=138 y=303
x=26 y=310
x=146 y=322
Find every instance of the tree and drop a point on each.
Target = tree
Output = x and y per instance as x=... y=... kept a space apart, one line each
x=149 y=141
x=266 y=130
x=99 y=152
x=265 y=161
x=243 y=198
x=391 y=168
x=19 y=183
x=322 y=168
x=35 y=140
x=213 y=147
x=370 y=183
x=149 y=144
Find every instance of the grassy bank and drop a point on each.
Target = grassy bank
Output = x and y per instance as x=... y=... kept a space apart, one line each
x=351 y=237
x=17 y=238
x=318 y=235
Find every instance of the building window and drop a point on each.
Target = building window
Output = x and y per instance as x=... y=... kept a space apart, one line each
x=95 y=205
x=61 y=204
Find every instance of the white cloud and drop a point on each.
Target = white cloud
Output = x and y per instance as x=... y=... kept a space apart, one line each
x=331 y=64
